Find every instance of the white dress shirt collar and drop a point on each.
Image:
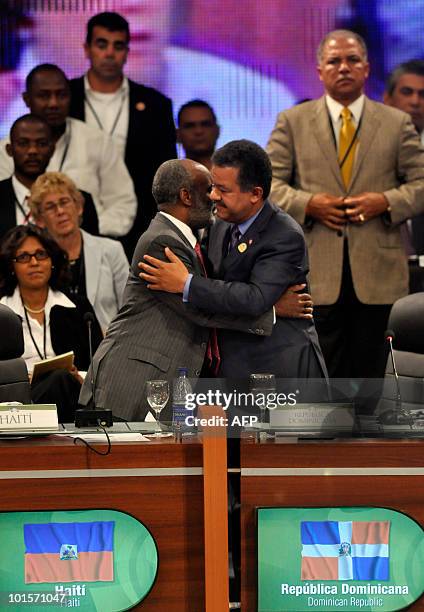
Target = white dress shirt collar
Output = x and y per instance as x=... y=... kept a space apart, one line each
x=54 y=298
x=21 y=192
x=183 y=227
x=335 y=108
x=109 y=112
x=122 y=89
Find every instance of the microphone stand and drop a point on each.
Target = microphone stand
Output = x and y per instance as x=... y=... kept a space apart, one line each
x=400 y=410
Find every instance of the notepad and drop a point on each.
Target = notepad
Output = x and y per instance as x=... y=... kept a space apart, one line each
x=65 y=361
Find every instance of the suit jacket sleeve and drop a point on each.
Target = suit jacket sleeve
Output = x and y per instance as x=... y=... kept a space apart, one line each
x=119 y=267
x=90 y=220
x=278 y=266
x=407 y=200
x=167 y=139
x=281 y=151
x=206 y=317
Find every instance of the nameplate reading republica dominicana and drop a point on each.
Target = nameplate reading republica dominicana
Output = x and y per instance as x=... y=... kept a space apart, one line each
x=28 y=417
x=313 y=417
x=325 y=559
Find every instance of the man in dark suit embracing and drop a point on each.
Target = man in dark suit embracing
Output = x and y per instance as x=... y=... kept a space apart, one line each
x=155 y=332
x=257 y=252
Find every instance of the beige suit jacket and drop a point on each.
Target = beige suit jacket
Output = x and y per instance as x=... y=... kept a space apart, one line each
x=389 y=159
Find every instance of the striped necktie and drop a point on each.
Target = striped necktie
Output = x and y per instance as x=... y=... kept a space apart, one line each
x=347 y=146
x=234 y=237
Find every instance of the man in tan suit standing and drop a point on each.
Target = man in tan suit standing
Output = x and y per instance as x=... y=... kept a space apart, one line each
x=350 y=171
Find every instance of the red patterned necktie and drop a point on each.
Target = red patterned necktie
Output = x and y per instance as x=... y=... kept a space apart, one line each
x=212 y=350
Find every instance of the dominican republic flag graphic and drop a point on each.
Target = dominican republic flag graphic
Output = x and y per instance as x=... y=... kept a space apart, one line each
x=345 y=550
x=69 y=552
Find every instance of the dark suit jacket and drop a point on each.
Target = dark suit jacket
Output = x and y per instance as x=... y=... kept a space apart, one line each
x=418 y=234
x=269 y=258
x=155 y=333
x=68 y=331
x=8 y=210
x=150 y=141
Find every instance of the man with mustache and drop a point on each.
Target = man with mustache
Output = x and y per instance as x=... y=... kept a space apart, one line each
x=350 y=170
x=155 y=332
x=257 y=253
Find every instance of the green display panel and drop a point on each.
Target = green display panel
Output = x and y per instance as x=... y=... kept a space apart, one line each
x=90 y=560
x=368 y=559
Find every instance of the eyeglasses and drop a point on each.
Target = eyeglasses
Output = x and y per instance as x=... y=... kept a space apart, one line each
x=25 y=257
x=51 y=208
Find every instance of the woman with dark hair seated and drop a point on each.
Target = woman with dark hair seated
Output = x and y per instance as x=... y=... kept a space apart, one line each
x=33 y=273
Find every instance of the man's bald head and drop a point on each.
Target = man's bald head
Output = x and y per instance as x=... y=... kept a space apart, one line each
x=171 y=177
x=181 y=187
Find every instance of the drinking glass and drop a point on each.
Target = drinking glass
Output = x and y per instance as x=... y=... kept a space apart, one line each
x=157 y=392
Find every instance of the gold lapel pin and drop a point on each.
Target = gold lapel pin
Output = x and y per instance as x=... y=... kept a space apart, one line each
x=242 y=247
x=140 y=106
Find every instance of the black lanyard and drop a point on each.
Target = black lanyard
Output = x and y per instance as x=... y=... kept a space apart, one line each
x=352 y=142
x=32 y=337
x=76 y=289
x=67 y=143
x=97 y=118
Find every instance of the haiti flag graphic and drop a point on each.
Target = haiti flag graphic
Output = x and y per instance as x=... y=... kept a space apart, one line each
x=69 y=552
x=345 y=550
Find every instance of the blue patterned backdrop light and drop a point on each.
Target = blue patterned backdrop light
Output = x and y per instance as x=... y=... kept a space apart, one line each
x=248 y=58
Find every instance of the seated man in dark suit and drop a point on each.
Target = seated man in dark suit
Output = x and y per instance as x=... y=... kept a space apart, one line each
x=257 y=252
x=31 y=147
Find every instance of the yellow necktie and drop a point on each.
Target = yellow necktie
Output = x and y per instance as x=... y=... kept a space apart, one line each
x=347 y=134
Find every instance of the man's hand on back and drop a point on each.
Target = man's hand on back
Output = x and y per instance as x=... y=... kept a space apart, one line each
x=294 y=305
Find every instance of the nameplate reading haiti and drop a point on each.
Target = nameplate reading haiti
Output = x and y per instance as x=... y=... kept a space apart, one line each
x=28 y=417
x=313 y=417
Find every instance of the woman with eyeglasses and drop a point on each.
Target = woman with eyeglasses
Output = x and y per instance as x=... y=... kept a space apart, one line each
x=33 y=272
x=99 y=267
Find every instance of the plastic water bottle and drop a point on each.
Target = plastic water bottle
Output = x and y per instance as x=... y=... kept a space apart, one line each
x=261 y=385
x=182 y=388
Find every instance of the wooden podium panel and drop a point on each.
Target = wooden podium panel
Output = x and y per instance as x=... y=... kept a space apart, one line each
x=387 y=473
x=159 y=482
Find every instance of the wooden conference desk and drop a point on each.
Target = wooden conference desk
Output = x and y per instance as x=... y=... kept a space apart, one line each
x=387 y=473
x=160 y=482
